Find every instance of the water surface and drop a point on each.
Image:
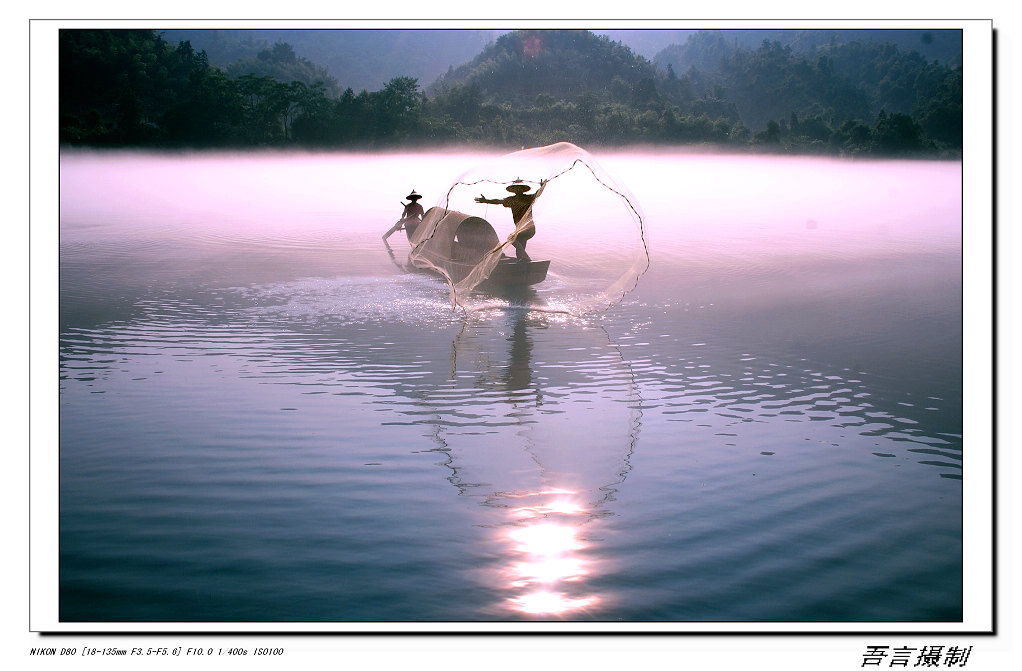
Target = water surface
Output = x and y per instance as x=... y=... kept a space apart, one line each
x=265 y=417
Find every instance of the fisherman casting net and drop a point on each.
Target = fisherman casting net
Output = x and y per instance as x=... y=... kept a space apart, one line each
x=562 y=204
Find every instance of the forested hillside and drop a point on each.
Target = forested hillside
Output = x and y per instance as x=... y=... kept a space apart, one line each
x=835 y=81
x=841 y=96
x=356 y=59
x=704 y=49
x=562 y=64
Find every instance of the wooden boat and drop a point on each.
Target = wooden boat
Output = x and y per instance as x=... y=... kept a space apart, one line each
x=454 y=244
x=512 y=272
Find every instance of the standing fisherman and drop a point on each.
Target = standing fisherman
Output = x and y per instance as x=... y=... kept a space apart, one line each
x=519 y=204
x=410 y=216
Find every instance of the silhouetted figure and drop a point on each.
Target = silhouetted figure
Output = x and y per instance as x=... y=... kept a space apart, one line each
x=410 y=216
x=519 y=204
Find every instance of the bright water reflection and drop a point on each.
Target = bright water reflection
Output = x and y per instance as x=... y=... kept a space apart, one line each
x=548 y=561
x=263 y=417
x=536 y=421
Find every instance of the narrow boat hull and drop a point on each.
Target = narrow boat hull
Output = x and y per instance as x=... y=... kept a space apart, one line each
x=510 y=272
x=459 y=242
x=507 y=273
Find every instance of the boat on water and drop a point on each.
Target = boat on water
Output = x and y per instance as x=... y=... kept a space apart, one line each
x=590 y=228
x=456 y=245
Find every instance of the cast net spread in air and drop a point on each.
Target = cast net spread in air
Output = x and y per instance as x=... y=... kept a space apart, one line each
x=586 y=224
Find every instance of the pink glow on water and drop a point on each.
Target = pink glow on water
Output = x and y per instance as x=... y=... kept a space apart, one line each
x=695 y=205
x=787 y=206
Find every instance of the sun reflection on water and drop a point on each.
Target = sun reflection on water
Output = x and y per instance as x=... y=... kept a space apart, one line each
x=549 y=603
x=546 y=542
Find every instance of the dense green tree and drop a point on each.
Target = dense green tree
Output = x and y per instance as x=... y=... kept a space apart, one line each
x=772 y=134
x=898 y=134
x=281 y=63
x=463 y=104
x=941 y=114
x=398 y=108
x=210 y=112
x=115 y=85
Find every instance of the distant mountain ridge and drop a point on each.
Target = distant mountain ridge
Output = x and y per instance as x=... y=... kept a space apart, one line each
x=367 y=59
x=560 y=64
x=356 y=59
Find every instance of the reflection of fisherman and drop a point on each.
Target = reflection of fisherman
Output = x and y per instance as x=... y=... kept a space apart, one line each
x=410 y=217
x=518 y=374
x=519 y=204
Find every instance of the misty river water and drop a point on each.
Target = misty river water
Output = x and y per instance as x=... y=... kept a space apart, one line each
x=265 y=417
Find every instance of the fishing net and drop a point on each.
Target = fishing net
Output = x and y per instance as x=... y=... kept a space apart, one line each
x=586 y=240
